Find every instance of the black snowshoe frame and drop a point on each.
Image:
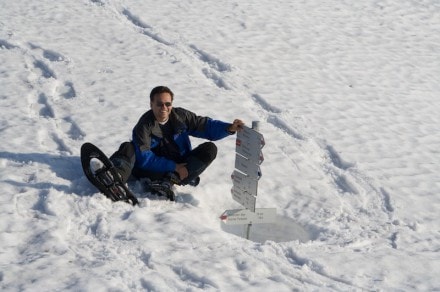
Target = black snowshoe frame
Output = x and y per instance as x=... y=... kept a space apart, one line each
x=106 y=178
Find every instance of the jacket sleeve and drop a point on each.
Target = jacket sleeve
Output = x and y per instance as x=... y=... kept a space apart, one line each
x=213 y=130
x=205 y=127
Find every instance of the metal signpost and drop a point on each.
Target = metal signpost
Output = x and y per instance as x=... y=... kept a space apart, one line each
x=245 y=178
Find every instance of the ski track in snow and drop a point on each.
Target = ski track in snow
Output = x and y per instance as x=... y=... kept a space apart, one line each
x=56 y=128
x=210 y=66
x=47 y=90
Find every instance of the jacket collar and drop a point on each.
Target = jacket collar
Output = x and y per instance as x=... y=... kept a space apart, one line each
x=177 y=124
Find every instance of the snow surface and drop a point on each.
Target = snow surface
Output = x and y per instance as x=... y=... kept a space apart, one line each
x=347 y=93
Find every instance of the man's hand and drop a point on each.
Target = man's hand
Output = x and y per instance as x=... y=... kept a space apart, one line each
x=182 y=170
x=237 y=125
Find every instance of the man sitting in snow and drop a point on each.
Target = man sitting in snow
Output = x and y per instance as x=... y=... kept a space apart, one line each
x=161 y=148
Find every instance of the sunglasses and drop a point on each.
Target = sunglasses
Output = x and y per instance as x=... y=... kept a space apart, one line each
x=161 y=104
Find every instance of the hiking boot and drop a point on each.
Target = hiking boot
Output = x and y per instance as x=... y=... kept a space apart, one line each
x=194 y=182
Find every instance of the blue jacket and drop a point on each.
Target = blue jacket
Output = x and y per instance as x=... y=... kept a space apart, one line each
x=147 y=136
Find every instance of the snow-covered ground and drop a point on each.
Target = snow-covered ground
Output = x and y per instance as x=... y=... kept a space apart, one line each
x=348 y=98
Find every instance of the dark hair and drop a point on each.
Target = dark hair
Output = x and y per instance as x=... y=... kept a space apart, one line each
x=159 y=90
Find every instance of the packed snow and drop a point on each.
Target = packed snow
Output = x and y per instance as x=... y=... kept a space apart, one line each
x=348 y=98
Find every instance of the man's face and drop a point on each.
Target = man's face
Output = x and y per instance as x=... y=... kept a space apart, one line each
x=161 y=106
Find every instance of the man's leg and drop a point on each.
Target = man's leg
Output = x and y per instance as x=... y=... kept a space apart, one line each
x=198 y=160
x=124 y=160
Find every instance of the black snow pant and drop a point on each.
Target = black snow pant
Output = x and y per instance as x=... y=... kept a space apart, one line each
x=124 y=160
x=196 y=162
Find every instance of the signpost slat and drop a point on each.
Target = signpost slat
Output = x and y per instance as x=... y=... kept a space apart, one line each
x=245 y=216
x=248 y=167
x=242 y=181
x=244 y=198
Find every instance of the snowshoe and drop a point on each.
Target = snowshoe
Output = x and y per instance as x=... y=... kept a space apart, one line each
x=101 y=172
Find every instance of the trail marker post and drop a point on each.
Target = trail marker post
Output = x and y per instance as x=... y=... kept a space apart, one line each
x=248 y=159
